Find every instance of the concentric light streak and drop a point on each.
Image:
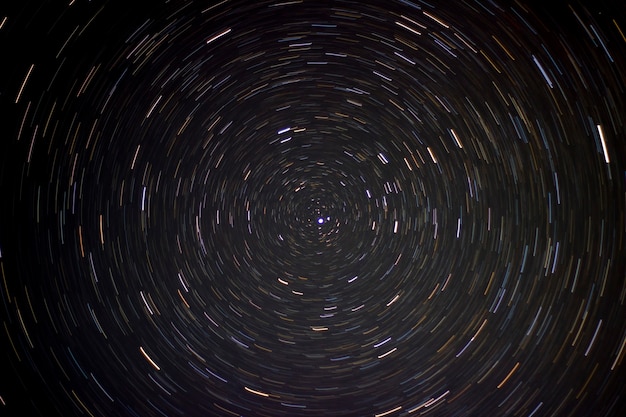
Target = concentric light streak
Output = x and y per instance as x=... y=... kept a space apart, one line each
x=313 y=208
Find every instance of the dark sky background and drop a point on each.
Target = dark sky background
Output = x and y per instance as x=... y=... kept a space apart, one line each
x=313 y=208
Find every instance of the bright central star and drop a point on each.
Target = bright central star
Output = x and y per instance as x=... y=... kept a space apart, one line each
x=320 y=220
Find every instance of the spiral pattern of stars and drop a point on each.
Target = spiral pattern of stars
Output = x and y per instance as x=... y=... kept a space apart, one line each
x=305 y=208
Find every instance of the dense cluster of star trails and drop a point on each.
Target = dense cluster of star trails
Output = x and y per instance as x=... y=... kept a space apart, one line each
x=313 y=208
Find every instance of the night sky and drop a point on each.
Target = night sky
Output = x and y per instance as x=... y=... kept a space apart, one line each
x=312 y=208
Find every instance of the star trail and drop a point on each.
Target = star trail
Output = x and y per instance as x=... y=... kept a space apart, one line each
x=313 y=208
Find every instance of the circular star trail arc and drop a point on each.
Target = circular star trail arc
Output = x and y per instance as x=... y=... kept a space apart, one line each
x=313 y=208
